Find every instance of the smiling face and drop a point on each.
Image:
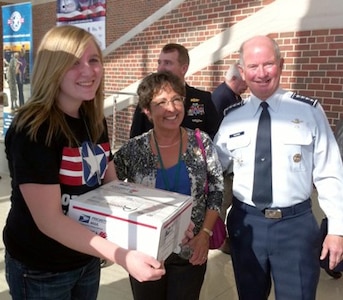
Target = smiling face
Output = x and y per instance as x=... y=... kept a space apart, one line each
x=261 y=67
x=81 y=81
x=166 y=109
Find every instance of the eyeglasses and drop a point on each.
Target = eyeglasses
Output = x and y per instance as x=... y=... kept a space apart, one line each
x=176 y=101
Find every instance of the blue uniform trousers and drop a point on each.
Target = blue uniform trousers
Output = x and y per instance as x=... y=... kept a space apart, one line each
x=285 y=249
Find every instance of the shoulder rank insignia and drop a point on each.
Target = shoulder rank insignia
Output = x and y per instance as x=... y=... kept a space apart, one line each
x=232 y=107
x=304 y=99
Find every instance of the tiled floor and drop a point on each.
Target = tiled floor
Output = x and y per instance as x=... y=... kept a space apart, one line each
x=219 y=282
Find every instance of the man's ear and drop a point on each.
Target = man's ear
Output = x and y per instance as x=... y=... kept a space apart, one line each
x=240 y=69
x=281 y=63
x=185 y=69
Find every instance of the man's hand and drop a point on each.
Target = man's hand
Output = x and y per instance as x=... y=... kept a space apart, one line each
x=333 y=246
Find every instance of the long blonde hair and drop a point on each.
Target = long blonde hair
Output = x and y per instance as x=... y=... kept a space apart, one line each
x=59 y=49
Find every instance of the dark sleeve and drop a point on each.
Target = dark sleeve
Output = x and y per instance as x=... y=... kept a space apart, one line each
x=212 y=118
x=223 y=97
x=218 y=101
x=140 y=123
x=32 y=161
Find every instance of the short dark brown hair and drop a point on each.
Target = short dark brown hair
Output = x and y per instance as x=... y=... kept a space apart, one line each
x=152 y=84
x=183 y=52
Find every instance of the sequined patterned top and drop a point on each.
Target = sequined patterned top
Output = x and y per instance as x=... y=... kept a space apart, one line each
x=136 y=162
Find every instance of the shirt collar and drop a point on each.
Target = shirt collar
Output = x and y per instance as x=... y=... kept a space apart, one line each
x=273 y=101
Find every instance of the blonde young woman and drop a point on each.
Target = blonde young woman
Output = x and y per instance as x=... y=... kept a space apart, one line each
x=58 y=148
x=169 y=157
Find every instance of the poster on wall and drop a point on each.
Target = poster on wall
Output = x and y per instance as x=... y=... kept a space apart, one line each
x=87 y=14
x=17 y=58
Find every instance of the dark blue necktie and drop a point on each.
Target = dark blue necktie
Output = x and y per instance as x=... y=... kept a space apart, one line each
x=262 y=190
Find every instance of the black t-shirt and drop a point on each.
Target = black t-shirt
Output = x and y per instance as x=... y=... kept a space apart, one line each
x=77 y=170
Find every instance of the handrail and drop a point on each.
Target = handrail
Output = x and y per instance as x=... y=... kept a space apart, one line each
x=115 y=96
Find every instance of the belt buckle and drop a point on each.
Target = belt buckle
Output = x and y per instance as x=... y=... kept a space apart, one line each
x=273 y=213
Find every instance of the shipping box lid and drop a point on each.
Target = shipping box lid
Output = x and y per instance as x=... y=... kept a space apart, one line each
x=133 y=202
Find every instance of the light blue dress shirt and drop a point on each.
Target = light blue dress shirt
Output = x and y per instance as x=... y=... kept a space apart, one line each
x=304 y=152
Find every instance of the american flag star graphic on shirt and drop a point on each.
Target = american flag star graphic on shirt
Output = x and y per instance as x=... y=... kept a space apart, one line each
x=85 y=164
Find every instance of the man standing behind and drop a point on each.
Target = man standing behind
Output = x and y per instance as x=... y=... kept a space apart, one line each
x=200 y=110
x=277 y=234
x=229 y=91
x=226 y=94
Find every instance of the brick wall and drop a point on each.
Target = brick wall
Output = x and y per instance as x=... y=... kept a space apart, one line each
x=43 y=18
x=314 y=67
x=190 y=24
x=123 y=15
x=313 y=59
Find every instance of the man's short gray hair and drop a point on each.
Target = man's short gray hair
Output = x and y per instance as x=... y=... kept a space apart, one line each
x=233 y=71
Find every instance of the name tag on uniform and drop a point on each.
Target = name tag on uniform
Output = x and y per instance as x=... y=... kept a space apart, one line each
x=236 y=134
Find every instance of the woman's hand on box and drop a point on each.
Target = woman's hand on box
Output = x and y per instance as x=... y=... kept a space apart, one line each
x=189 y=234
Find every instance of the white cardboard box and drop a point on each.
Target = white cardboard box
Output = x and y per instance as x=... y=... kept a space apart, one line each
x=135 y=217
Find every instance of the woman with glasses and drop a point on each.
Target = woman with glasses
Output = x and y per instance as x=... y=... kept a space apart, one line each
x=169 y=157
